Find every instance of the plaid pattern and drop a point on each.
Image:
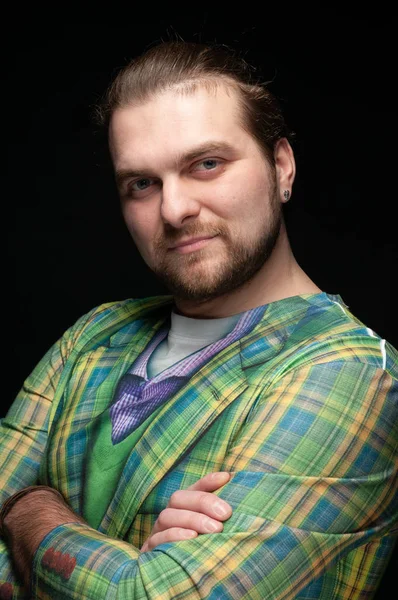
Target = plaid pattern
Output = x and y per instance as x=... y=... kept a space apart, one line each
x=137 y=397
x=303 y=412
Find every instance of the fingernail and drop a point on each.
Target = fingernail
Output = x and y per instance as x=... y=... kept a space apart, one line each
x=220 y=509
x=188 y=533
x=212 y=525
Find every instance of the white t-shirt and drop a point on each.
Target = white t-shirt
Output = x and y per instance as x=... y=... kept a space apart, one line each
x=186 y=336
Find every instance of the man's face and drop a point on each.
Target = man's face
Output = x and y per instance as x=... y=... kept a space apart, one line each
x=186 y=171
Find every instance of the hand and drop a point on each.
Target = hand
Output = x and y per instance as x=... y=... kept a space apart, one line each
x=190 y=512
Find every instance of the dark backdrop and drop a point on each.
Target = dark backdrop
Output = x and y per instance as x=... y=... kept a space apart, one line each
x=68 y=249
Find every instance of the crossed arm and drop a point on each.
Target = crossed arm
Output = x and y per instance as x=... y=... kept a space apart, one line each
x=189 y=513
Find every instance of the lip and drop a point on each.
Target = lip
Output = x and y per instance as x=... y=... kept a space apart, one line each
x=192 y=244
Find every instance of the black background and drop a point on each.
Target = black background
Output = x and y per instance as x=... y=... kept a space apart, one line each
x=68 y=249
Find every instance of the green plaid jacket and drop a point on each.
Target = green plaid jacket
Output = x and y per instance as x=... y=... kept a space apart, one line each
x=303 y=411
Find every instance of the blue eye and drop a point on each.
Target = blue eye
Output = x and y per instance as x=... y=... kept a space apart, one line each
x=209 y=163
x=141 y=184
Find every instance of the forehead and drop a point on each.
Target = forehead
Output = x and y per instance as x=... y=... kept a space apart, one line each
x=172 y=122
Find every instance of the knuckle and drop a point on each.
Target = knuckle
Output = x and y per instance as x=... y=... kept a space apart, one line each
x=204 y=501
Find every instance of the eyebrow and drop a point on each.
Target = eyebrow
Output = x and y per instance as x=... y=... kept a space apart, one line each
x=207 y=148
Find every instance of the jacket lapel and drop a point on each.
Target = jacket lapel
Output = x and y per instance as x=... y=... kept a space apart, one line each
x=70 y=434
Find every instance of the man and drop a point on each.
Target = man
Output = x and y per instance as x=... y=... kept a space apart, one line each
x=236 y=439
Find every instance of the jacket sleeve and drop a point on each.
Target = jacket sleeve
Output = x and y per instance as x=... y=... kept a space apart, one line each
x=23 y=434
x=314 y=478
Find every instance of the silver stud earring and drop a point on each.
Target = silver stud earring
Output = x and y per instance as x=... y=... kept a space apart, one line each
x=286 y=195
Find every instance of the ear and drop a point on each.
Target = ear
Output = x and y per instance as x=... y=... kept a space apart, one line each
x=285 y=168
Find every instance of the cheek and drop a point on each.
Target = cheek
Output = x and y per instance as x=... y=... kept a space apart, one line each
x=245 y=193
x=137 y=219
x=141 y=228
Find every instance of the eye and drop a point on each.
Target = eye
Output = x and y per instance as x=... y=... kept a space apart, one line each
x=141 y=185
x=209 y=164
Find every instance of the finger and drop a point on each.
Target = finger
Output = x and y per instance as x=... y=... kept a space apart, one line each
x=172 y=517
x=175 y=534
x=201 y=502
x=211 y=482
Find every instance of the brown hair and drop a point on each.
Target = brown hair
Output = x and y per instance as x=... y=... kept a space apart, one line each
x=185 y=65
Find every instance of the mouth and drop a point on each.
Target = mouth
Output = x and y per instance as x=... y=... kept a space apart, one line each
x=192 y=244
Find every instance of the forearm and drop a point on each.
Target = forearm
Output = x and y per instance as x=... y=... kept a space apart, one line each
x=28 y=522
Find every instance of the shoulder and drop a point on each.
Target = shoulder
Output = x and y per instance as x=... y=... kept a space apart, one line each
x=330 y=332
x=329 y=361
x=108 y=319
x=130 y=308
x=321 y=330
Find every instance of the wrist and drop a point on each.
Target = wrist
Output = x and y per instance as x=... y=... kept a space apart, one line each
x=12 y=501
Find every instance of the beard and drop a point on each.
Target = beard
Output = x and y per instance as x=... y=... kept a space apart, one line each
x=191 y=277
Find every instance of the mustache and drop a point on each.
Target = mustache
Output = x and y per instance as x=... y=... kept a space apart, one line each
x=173 y=236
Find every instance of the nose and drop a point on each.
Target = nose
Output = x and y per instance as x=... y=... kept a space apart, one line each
x=178 y=206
